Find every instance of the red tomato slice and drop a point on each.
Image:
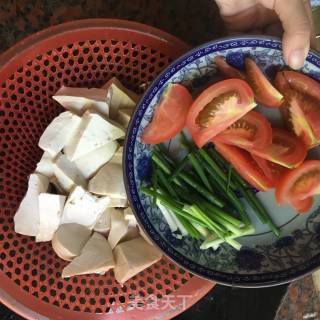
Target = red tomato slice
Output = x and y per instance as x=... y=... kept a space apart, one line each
x=217 y=107
x=299 y=183
x=281 y=83
x=298 y=81
x=226 y=70
x=296 y=112
x=253 y=130
x=272 y=170
x=245 y=165
x=286 y=149
x=264 y=91
x=302 y=206
x=169 y=116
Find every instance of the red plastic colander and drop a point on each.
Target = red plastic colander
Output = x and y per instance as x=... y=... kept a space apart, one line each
x=81 y=53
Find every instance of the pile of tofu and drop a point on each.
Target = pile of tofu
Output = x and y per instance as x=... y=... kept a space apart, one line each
x=76 y=197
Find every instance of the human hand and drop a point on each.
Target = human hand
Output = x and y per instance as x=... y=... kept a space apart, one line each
x=272 y=17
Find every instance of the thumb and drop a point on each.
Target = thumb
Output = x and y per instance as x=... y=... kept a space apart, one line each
x=297 y=31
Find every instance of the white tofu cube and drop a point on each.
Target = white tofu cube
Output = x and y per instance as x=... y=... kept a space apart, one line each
x=96 y=257
x=56 y=185
x=83 y=208
x=119 y=97
x=109 y=179
x=144 y=236
x=45 y=165
x=67 y=174
x=93 y=133
x=133 y=256
x=94 y=160
x=124 y=116
x=27 y=218
x=104 y=223
x=129 y=216
x=59 y=132
x=118 y=202
x=117 y=157
x=50 y=211
x=78 y=100
x=119 y=227
x=69 y=239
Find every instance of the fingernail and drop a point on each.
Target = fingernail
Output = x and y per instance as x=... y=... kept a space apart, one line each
x=296 y=58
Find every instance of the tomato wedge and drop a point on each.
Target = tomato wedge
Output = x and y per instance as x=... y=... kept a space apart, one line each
x=299 y=183
x=295 y=112
x=264 y=91
x=226 y=70
x=245 y=165
x=272 y=170
x=170 y=115
x=298 y=81
x=302 y=206
x=253 y=130
x=217 y=107
x=286 y=149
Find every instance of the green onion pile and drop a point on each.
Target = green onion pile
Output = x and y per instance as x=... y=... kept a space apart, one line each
x=198 y=196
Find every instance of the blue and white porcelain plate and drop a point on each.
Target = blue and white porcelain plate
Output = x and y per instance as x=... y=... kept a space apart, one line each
x=264 y=260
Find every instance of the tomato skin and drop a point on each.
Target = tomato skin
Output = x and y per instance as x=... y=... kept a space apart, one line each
x=302 y=206
x=295 y=114
x=281 y=82
x=299 y=183
x=226 y=70
x=299 y=82
x=265 y=93
x=311 y=110
x=286 y=149
x=169 y=116
x=272 y=170
x=225 y=115
x=245 y=166
x=259 y=134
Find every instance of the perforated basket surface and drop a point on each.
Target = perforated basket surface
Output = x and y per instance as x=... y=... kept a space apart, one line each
x=82 y=53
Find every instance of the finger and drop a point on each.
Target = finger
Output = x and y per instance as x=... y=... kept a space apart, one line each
x=297 y=31
x=255 y=17
x=313 y=41
x=274 y=29
x=228 y=7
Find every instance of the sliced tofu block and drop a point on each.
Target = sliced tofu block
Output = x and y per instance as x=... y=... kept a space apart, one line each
x=69 y=239
x=93 y=133
x=96 y=257
x=78 y=100
x=132 y=232
x=133 y=256
x=124 y=116
x=117 y=157
x=118 y=202
x=119 y=227
x=50 y=211
x=94 y=160
x=27 y=218
x=59 y=132
x=109 y=179
x=144 y=236
x=45 y=165
x=129 y=216
x=67 y=174
x=84 y=208
x=56 y=186
x=103 y=225
x=119 y=97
